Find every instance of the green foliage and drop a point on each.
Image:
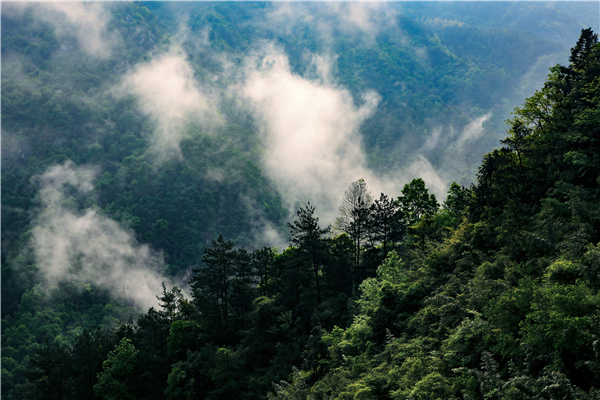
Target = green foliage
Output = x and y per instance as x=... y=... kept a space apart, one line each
x=495 y=295
x=416 y=202
x=501 y=290
x=307 y=237
x=113 y=381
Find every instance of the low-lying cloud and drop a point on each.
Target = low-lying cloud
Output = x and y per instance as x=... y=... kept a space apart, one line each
x=453 y=149
x=83 y=246
x=311 y=135
x=349 y=17
x=87 y=22
x=473 y=130
x=310 y=130
x=171 y=96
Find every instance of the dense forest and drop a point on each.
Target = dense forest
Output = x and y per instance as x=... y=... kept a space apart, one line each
x=154 y=246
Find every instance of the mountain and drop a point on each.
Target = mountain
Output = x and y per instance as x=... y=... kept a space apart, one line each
x=135 y=134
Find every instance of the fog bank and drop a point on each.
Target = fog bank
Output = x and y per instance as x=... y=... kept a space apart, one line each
x=83 y=246
x=171 y=96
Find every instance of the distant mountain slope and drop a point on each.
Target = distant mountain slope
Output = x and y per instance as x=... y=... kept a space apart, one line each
x=493 y=294
x=61 y=102
x=131 y=139
x=431 y=75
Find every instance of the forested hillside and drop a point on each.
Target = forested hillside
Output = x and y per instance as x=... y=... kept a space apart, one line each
x=184 y=213
x=432 y=79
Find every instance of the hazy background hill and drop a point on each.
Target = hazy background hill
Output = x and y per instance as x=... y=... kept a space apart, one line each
x=438 y=79
x=133 y=134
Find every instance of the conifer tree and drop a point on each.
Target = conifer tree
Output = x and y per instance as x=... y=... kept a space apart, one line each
x=307 y=235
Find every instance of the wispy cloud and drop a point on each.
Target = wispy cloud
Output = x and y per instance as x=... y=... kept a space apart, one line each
x=310 y=130
x=171 y=96
x=86 y=247
x=454 y=151
x=86 y=21
x=472 y=130
x=368 y=19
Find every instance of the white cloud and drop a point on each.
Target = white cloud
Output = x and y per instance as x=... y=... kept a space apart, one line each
x=473 y=130
x=310 y=130
x=87 y=247
x=169 y=93
x=87 y=21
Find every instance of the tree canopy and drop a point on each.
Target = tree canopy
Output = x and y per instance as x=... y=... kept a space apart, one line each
x=492 y=294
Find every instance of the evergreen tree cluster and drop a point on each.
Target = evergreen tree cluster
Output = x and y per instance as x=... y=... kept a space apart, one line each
x=493 y=295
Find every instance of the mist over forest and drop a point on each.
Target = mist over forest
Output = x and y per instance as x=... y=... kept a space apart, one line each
x=231 y=200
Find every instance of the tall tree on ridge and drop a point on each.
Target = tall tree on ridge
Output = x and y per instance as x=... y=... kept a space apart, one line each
x=387 y=221
x=307 y=235
x=416 y=202
x=211 y=286
x=355 y=215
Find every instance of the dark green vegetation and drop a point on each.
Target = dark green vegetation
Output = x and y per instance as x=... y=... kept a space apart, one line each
x=492 y=295
x=55 y=107
x=426 y=75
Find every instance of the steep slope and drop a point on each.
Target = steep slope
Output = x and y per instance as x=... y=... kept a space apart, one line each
x=433 y=78
x=95 y=207
x=507 y=305
x=127 y=150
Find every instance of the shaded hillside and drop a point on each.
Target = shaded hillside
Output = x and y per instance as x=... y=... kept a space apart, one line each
x=429 y=77
x=134 y=155
x=492 y=295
